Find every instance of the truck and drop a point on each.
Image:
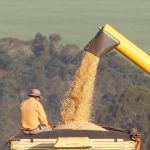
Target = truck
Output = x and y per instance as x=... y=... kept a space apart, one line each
x=94 y=138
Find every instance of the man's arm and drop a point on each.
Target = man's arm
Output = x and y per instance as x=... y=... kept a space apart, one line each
x=42 y=115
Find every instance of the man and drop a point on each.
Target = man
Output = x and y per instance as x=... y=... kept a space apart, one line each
x=33 y=117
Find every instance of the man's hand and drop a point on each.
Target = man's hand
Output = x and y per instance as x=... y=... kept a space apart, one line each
x=50 y=127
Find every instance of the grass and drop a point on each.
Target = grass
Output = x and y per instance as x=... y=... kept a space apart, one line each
x=75 y=20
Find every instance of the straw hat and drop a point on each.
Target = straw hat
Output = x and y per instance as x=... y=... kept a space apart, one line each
x=36 y=92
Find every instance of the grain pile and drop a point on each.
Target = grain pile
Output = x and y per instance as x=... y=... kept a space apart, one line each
x=77 y=105
x=80 y=125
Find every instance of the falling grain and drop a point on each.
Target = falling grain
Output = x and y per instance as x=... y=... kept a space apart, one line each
x=77 y=105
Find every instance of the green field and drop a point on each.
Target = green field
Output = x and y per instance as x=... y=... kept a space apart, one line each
x=75 y=20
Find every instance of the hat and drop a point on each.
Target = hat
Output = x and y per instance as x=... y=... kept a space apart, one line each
x=36 y=92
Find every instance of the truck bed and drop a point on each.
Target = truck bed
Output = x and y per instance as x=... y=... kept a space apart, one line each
x=73 y=139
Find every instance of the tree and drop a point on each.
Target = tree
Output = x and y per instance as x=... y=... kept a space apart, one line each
x=54 y=40
x=39 y=44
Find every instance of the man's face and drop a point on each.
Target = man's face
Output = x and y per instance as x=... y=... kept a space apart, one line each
x=38 y=98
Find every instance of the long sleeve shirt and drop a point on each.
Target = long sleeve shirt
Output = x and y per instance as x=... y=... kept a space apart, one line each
x=32 y=114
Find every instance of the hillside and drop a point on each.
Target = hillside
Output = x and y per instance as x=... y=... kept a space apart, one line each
x=121 y=89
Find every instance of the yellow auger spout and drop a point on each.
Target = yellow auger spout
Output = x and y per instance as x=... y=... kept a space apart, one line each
x=128 y=49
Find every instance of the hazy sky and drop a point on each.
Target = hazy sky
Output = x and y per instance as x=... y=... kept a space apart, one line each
x=75 y=20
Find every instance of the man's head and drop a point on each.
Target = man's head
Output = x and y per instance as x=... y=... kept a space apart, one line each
x=36 y=93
